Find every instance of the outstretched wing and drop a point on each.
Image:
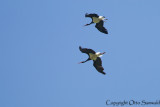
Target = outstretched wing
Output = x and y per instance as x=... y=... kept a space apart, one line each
x=86 y=50
x=100 y=27
x=91 y=15
x=98 y=65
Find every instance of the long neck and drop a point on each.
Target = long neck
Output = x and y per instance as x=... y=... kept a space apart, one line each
x=100 y=54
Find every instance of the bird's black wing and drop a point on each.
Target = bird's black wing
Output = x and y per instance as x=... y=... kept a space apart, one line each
x=98 y=65
x=91 y=15
x=100 y=27
x=86 y=50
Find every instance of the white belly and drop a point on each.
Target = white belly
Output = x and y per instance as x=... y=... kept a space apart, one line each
x=92 y=56
x=96 y=20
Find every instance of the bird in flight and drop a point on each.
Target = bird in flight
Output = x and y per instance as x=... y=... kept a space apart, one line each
x=99 y=20
x=95 y=56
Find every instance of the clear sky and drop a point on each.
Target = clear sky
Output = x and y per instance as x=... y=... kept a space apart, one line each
x=39 y=52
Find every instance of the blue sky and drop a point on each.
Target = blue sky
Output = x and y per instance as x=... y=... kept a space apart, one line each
x=39 y=42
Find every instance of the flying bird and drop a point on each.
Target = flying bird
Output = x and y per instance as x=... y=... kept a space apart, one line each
x=97 y=63
x=99 y=20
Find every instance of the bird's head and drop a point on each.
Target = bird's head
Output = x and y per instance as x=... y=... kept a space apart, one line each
x=103 y=53
x=99 y=54
x=104 y=18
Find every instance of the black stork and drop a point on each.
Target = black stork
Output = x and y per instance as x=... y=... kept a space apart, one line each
x=97 y=63
x=99 y=20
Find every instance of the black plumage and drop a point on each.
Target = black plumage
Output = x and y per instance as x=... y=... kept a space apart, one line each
x=99 y=20
x=97 y=63
x=91 y=15
x=100 y=27
x=86 y=50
